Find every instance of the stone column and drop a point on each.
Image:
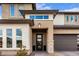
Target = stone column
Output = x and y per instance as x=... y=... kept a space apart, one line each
x=50 y=41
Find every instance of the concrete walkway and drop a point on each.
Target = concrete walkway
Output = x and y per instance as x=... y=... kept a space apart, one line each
x=39 y=53
x=66 y=53
x=56 y=53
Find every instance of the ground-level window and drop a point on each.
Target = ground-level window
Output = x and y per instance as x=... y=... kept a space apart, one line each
x=0 y=38
x=9 y=38
x=18 y=38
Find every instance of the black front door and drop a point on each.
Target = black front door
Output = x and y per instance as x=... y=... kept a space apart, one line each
x=39 y=42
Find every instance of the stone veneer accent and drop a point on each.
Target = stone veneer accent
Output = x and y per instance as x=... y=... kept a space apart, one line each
x=49 y=25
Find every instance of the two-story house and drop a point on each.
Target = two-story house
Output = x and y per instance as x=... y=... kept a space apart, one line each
x=37 y=30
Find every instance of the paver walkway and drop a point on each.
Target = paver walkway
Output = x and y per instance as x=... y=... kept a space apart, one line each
x=39 y=53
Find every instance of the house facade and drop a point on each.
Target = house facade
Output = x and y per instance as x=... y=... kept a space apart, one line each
x=37 y=30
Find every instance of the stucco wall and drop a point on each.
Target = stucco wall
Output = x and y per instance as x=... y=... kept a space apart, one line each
x=66 y=31
x=6 y=10
x=59 y=19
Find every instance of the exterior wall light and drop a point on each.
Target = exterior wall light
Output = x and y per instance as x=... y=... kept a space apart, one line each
x=39 y=25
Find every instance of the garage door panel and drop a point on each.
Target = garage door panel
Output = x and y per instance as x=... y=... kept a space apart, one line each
x=65 y=42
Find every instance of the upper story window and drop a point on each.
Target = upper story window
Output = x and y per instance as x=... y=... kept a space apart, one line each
x=32 y=17
x=72 y=18
x=39 y=16
x=12 y=10
x=46 y=17
x=76 y=18
x=67 y=18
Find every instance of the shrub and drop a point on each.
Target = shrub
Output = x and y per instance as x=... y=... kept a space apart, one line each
x=22 y=52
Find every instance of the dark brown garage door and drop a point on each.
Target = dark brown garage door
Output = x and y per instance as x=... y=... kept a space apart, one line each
x=65 y=42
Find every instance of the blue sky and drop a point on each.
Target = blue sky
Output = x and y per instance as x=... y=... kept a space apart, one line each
x=60 y=6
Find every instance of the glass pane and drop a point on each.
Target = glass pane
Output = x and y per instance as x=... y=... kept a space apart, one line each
x=9 y=38
x=39 y=39
x=72 y=18
x=19 y=43
x=39 y=17
x=31 y=17
x=67 y=18
x=18 y=32
x=45 y=17
x=0 y=32
x=18 y=38
x=0 y=42
x=12 y=9
x=76 y=18
x=39 y=36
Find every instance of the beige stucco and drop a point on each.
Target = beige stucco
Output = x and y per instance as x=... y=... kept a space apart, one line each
x=26 y=34
x=59 y=19
x=6 y=10
x=66 y=31
x=48 y=24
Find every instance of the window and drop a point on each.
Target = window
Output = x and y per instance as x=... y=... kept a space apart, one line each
x=72 y=18
x=18 y=38
x=12 y=9
x=45 y=17
x=0 y=38
x=31 y=17
x=39 y=17
x=76 y=18
x=9 y=38
x=67 y=18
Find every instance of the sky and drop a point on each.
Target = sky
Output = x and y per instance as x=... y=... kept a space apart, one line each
x=60 y=6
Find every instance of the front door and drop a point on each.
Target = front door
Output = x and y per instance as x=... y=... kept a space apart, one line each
x=39 y=42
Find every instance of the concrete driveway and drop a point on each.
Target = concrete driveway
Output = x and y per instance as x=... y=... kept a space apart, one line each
x=66 y=53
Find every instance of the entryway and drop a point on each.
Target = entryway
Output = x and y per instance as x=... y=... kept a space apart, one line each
x=39 y=39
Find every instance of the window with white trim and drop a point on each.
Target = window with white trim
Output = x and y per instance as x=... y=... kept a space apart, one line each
x=18 y=38
x=9 y=38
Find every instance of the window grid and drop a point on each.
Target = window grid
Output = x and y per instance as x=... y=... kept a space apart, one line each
x=18 y=38
x=38 y=16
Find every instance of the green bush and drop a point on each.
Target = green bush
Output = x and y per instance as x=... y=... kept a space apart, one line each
x=22 y=52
